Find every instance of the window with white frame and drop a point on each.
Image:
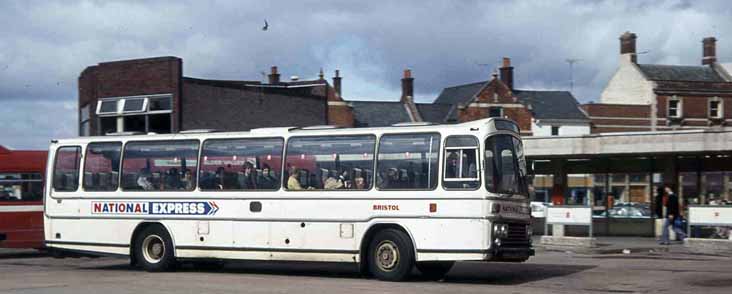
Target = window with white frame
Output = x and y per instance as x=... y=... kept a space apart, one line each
x=715 y=107
x=674 y=107
x=135 y=114
x=84 y=116
x=495 y=111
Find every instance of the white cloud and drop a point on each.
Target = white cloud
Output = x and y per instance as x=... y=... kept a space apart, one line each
x=46 y=44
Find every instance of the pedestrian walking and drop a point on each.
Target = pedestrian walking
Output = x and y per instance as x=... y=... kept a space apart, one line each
x=672 y=214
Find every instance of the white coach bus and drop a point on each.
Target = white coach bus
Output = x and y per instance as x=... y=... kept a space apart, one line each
x=388 y=198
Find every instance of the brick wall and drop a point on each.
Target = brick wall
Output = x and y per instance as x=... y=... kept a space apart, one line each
x=695 y=106
x=160 y=75
x=232 y=109
x=607 y=118
x=497 y=94
x=339 y=113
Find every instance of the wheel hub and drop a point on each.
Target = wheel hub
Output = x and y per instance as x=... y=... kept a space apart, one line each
x=387 y=256
x=153 y=248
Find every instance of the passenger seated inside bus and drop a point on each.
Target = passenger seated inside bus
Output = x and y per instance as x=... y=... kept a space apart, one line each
x=267 y=180
x=293 y=182
x=332 y=182
x=247 y=180
x=359 y=183
x=187 y=183
x=144 y=180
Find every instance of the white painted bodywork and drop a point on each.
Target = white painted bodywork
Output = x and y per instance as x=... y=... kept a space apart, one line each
x=628 y=85
x=459 y=230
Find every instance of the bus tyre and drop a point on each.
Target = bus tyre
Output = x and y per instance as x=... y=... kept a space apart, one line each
x=434 y=270
x=154 y=249
x=391 y=256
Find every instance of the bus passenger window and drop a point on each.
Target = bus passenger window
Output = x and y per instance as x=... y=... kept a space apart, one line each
x=160 y=165
x=408 y=161
x=66 y=169
x=241 y=164
x=101 y=166
x=330 y=162
x=461 y=162
x=21 y=186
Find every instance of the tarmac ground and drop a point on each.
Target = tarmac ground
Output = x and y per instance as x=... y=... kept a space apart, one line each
x=641 y=271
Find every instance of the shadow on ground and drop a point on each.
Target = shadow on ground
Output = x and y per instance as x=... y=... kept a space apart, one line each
x=495 y=273
x=22 y=254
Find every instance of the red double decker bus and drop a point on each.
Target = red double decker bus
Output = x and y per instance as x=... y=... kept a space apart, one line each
x=21 y=198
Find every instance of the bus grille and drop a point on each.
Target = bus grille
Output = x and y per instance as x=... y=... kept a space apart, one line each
x=517 y=236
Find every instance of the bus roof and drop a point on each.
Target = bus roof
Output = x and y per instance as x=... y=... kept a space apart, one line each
x=289 y=131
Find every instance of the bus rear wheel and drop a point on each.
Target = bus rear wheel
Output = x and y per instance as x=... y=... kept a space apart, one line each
x=434 y=270
x=154 y=249
x=391 y=257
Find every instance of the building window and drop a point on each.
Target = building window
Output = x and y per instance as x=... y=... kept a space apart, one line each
x=84 y=115
x=555 y=130
x=135 y=114
x=495 y=111
x=674 y=107
x=715 y=108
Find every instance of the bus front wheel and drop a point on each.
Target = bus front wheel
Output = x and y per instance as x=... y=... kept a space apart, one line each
x=391 y=257
x=154 y=249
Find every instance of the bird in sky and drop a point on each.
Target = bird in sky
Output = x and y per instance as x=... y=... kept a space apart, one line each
x=266 y=25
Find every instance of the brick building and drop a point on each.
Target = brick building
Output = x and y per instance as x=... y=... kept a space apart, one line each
x=152 y=95
x=652 y=97
x=540 y=113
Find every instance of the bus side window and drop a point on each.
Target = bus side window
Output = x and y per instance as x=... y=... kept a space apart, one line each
x=66 y=169
x=408 y=161
x=101 y=166
x=160 y=165
x=20 y=186
x=241 y=164
x=330 y=162
x=461 y=163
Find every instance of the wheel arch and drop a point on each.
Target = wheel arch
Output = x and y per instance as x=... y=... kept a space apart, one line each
x=139 y=228
x=371 y=232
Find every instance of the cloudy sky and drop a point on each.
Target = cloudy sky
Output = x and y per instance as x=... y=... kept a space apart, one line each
x=44 y=45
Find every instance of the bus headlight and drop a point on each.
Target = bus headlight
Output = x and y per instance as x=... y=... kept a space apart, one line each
x=500 y=230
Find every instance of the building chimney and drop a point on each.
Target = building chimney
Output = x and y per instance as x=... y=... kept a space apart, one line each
x=709 y=51
x=627 y=45
x=507 y=72
x=407 y=86
x=274 y=76
x=337 y=82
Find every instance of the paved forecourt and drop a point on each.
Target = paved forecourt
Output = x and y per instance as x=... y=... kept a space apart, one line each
x=550 y=272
